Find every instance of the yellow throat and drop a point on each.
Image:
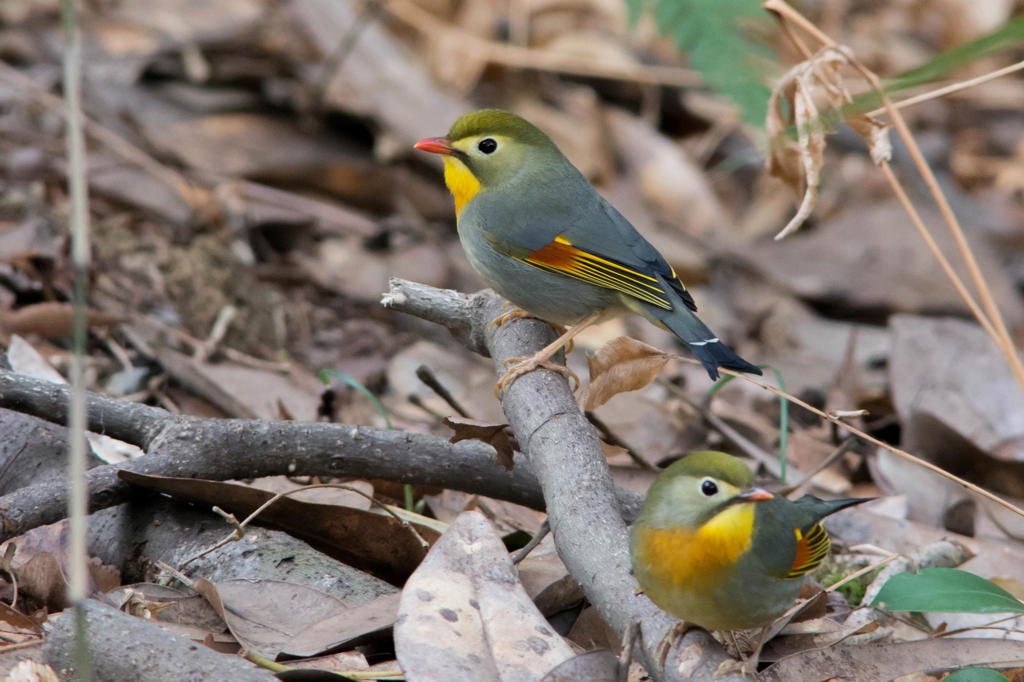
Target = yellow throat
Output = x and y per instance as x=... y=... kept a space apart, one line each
x=461 y=182
x=676 y=556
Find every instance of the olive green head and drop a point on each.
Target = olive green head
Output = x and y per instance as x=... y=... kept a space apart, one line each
x=496 y=147
x=499 y=123
x=696 y=488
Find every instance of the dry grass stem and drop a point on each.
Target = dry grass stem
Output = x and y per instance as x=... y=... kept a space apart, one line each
x=951 y=88
x=869 y=438
x=848 y=414
x=862 y=571
x=933 y=246
x=992 y=321
x=78 y=498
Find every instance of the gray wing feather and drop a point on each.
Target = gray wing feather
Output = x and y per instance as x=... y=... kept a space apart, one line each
x=586 y=220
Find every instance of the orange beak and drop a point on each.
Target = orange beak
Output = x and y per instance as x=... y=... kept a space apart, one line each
x=754 y=495
x=435 y=145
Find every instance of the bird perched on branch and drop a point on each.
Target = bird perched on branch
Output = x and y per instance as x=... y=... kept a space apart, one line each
x=541 y=236
x=716 y=552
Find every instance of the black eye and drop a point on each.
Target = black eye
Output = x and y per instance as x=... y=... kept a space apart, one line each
x=487 y=145
x=708 y=487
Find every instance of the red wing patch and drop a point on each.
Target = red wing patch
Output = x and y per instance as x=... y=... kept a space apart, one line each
x=812 y=546
x=562 y=257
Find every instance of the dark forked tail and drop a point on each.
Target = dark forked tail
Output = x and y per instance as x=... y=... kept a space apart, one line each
x=703 y=343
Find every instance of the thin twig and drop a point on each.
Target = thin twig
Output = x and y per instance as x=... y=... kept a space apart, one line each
x=610 y=437
x=238 y=531
x=770 y=462
x=537 y=538
x=79 y=227
x=863 y=571
x=987 y=626
x=951 y=88
x=20 y=645
x=843 y=448
x=427 y=376
x=871 y=439
x=221 y=323
x=782 y=621
x=418 y=402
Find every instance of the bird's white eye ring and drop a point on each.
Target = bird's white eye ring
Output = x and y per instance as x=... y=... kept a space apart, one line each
x=708 y=487
x=488 y=145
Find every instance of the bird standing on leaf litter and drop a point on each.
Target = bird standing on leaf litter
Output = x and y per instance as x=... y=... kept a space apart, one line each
x=542 y=237
x=715 y=552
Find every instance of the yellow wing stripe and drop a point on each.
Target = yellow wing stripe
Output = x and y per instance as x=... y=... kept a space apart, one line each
x=561 y=257
x=596 y=267
x=605 y=282
x=811 y=550
x=607 y=263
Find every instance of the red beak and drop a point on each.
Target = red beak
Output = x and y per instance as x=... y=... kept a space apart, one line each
x=435 y=145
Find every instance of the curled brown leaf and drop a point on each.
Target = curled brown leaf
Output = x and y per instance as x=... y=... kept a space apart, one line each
x=621 y=365
x=498 y=436
x=815 y=90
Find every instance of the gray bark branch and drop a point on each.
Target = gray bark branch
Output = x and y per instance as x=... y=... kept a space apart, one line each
x=220 y=449
x=563 y=449
x=130 y=649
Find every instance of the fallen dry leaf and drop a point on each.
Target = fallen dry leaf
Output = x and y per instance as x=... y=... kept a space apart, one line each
x=274 y=616
x=886 y=660
x=871 y=258
x=875 y=134
x=593 y=666
x=104 y=576
x=166 y=605
x=622 y=364
x=246 y=392
x=464 y=609
x=42 y=578
x=950 y=369
x=346 y=628
x=498 y=436
x=667 y=177
x=51 y=320
x=17 y=620
x=806 y=87
x=31 y=671
x=347 y=661
x=363 y=539
x=590 y=631
x=546 y=579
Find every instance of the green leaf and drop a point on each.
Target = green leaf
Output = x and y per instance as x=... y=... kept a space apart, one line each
x=720 y=38
x=635 y=8
x=945 y=590
x=1006 y=37
x=976 y=675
